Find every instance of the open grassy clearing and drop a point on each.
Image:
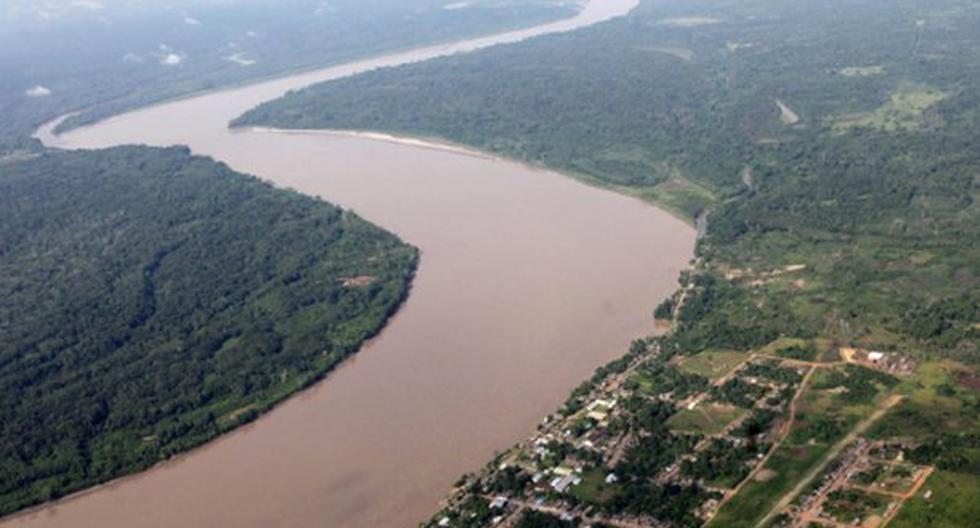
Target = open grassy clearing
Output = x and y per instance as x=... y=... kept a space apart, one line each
x=952 y=503
x=712 y=364
x=674 y=51
x=784 y=468
x=593 y=489
x=706 y=419
x=902 y=112
x=861 y=71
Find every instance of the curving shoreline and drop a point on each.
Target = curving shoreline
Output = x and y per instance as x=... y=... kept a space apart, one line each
x=508 y=350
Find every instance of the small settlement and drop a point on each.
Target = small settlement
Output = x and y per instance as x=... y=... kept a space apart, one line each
x=657 y=440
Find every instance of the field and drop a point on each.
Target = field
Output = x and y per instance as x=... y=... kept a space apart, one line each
x=706 y=419
x=712 y=364
x=786 y=466
x=903 y=111
x=952 y=503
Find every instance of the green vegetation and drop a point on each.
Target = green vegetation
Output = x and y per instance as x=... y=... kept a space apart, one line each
x=706 y=419
x=151 y=300
x=849 y=505
x=784 y=469
x=712 y=364
x=536 y=519
x=723 y=463
x=857 y=385
x=952 y=503
x=593 y=489
x=824 y=416
x=656 y=377
x=903 y=112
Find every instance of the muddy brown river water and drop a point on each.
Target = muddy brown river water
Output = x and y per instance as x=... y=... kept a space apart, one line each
x=528 y=281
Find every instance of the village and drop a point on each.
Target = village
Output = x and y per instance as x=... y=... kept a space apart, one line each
x=865 y=486
x=701 y=427
x=571 y=462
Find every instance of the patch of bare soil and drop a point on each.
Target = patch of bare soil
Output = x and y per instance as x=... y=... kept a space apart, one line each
x=969 y=380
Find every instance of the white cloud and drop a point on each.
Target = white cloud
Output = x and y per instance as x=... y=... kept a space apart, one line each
x=38 y=91
x=241 y=59
x=171 y=59
x=88 y=4
x=191 y=21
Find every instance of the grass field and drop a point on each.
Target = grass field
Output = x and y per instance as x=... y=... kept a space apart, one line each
x=952 y=504
x=707 y=419
x=902 y=112
x=861 y=71
x=787 y=465
x=593 y=488
x=712 y=364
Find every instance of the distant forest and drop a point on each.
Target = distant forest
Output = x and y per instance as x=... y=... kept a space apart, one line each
x=150 y=300
x=124 y=55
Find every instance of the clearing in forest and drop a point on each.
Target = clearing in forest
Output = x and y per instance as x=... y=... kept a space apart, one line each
x=707 y=419
x=861 y=71
x=786 y=114
x=693 y=21
x=674 y=51
x=712 y=364
x=902 y=112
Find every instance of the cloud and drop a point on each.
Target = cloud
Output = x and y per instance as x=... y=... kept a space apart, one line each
x=88 y=4
x=38 y=91
x=324 y=7
x=171 y=59
x=240 y=59
x=191 y=21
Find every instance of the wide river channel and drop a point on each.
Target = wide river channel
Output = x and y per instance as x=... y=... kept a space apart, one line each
x=528 y=281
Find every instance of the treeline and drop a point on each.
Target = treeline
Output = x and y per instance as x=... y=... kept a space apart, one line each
x=150 y=300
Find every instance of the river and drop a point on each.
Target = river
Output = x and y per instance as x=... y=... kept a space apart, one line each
x=528 y=281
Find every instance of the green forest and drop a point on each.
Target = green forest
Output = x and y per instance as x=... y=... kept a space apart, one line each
x=151 y=300
x=825 y=150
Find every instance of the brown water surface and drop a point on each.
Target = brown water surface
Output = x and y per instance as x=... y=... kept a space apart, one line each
x=528 y=281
